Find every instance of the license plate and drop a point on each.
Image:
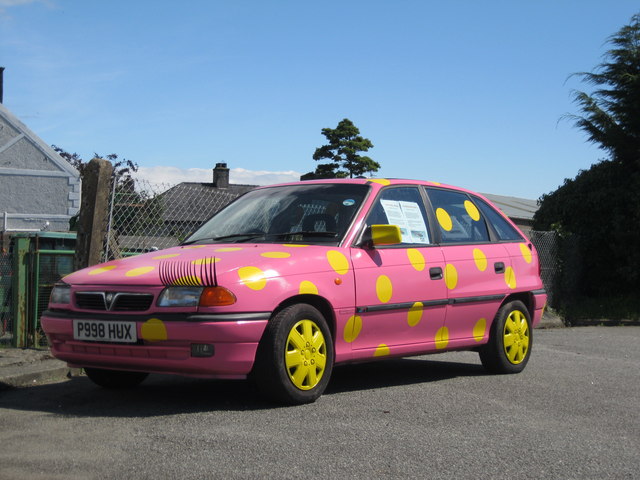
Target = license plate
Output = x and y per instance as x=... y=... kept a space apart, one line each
x=105 y=331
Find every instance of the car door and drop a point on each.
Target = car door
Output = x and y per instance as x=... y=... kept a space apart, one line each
x=400 y=291
x=478 y=272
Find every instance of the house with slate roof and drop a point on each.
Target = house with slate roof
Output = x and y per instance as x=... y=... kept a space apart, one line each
x=189 y=204
x=182 y=209
x=39 y=190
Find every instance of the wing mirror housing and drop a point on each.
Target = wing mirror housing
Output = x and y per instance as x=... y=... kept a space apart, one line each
x=379 y=235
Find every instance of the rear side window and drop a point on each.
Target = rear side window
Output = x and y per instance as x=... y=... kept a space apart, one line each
x=503 y=228
x=458 y=217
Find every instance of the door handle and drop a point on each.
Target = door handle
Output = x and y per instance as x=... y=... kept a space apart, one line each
x=435 y=273
x=499 y=267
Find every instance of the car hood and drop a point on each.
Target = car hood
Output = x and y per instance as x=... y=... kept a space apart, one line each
x=222 y=264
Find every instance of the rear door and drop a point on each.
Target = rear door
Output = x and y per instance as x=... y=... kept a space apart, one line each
x=478 y=272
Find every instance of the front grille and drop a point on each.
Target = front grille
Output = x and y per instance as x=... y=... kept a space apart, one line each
x=132 y=301
x=114 y=301
x=90 y=301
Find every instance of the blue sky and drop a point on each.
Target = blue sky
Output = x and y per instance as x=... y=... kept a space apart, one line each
x=462 y=92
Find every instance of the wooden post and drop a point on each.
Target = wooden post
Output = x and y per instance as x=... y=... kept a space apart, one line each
x=94 y=213
x=20 y=288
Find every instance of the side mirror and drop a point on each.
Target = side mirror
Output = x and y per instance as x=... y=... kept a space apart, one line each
x=383 y=235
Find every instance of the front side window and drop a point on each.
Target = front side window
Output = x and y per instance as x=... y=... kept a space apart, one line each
x=458 y=217
x=311 y=213
x=404 y=207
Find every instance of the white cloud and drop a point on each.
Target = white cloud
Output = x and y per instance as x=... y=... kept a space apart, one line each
x=6 y=4
x=14 y=3
x=261 y=177
x=169 y=176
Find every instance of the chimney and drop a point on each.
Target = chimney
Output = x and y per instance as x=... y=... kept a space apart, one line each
x=221 y=176
x=1 y=83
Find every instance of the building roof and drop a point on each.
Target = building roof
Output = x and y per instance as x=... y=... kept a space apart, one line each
x=23 y=133
x=190 y=201
x=514 y=207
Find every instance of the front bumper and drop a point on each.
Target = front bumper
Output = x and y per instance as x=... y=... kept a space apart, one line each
x=234 y=337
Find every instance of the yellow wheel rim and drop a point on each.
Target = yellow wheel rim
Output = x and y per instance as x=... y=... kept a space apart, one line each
x=516 y=337
x=305 y=355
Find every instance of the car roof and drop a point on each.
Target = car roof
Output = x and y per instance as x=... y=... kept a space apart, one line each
x=376 y=183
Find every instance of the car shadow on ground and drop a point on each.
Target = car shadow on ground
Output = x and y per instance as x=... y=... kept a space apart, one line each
x=162 y=395
x=397 y=372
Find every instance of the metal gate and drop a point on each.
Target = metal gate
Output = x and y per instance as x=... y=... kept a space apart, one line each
x=49 y=266
x=28 y=272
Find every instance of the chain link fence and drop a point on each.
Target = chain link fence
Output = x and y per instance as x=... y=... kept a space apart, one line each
x=547 y=245
x=145 y=216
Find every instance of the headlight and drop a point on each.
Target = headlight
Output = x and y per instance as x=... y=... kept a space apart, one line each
x=61 y=294
x=180 y=297
x=196 y=296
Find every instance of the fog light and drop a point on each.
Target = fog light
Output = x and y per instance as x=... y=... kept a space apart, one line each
x=202 y=350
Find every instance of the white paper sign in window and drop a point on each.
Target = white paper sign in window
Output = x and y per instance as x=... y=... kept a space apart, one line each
x=408 y=217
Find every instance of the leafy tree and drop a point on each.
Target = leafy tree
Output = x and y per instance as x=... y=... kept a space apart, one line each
x=122 y=168
x=342 y=150
x=599 y=210
x=610 y=114
x=128 y=214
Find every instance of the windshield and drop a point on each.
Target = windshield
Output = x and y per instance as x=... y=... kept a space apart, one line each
x=313 y=213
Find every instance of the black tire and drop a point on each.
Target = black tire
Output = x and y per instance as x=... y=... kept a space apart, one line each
x=115 y=379
x=300 y=333
x=510 y=340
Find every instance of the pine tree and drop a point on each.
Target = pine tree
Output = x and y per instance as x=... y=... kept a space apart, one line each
x=611 y=114
x=342 y=150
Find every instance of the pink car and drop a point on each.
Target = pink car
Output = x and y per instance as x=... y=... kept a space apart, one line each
x=289 y=280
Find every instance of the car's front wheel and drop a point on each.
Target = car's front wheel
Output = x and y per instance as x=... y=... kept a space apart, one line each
x=510 y=340
x=295 y=356
x=115 y=378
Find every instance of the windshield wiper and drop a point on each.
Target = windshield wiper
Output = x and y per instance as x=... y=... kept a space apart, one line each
x=247 y=236
x=304 y=233
x=244 y=237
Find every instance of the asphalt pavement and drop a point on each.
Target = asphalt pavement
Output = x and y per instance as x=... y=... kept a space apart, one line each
x=570 y=414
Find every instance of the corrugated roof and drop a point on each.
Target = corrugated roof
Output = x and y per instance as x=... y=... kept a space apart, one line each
x=514 y=207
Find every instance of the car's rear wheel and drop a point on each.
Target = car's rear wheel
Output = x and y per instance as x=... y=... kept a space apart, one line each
x=510 y=340
x=295 y=356
x=115 y=378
